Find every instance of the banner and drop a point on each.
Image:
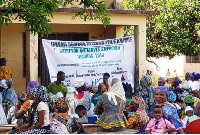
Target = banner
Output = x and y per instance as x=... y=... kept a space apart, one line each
x=90 y=59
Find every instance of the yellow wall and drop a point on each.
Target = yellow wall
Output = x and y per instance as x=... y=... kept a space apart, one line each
x=11 y=49
x=11 y=40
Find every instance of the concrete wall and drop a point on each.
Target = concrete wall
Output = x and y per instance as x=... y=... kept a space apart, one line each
x=177 y=63
x=11 y=49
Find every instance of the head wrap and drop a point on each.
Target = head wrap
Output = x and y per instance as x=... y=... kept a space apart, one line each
x=40 y=92
x=30 y=85
x=117 y=89
x=195 y=86
x=61 y=104
x=188 y=108
x=177 y=81
x=189 y=99
x=128 y=100
x=187 y=74
x=58 y=95
x=128 y=77
x=3 y=84
x=161 y=79
x=196 y=76
x=9 y=81
x=78 y=82
x=164 y=89
x=171 y=96
x=142 y=107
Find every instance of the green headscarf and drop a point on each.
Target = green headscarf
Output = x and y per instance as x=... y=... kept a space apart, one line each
x=189 y=99
x=128 y=100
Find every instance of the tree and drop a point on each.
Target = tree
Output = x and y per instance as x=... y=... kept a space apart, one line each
x=37 y=13
x=175 y=31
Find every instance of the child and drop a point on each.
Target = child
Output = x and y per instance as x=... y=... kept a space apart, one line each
x=159 y=125
x=73 y=125
x=189 y=116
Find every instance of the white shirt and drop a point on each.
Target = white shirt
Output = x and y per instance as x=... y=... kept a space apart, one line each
x=70 y=120
x=42 y=106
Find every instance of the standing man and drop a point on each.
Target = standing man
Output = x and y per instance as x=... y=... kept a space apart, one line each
x=103 y=87
x=58 y=85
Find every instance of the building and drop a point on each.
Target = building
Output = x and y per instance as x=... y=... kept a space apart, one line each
x=23 y=50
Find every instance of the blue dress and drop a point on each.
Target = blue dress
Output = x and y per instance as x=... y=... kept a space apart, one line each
x=112 y=116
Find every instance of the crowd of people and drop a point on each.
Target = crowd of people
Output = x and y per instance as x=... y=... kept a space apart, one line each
x=116 y=105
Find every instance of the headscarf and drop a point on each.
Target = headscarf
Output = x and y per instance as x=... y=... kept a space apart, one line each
x=171 y=97
x=161 y=79
x=128 y=77
x=188 y=108
x=78 y=82
x=117 y=89
x=164 y=89
x=177 y=81
x=195 y=86
x=58 y=95
x=40 y=92
x=189 y=99
x=142 y=107
x=128 y=100
x=30 y=85
x=3 y=84
x=62 y=104
x=9 y=81
x=196 y=76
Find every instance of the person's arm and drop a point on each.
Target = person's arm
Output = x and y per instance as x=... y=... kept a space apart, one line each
x=149 y=127
x=98 y=105
x=99 y=89
x=40 y=122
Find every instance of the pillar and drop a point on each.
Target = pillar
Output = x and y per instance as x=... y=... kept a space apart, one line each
x=140 y=46
x=31 y=57
x=119 y=31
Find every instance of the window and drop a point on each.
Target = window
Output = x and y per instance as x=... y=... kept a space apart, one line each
x=193 y=59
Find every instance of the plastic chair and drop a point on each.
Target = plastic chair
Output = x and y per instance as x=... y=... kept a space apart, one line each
x=193 y=127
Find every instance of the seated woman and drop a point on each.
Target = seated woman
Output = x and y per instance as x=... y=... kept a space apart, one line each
x=139 y=118
x=110 y=106
x=39 y=117
x=169 y=110
x=59 y=118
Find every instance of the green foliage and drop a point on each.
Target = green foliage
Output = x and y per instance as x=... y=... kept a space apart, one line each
x=37 y=13
x=175 y=31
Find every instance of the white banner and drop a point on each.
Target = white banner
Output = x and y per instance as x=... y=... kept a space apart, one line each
x=90 y=59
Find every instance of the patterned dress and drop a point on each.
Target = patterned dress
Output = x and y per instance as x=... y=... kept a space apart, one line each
x=112 y=117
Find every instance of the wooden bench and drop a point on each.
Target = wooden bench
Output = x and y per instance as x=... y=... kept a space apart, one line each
x=90 y=128
x=6 y=128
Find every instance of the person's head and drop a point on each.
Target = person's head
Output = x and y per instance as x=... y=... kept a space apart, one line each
x=189 y=100
x=189 y=111
x=60 y=76
x=2 y=61
x=161 y=94
x=171 y=97
x=157 y=112
x=195 y=93
x=30 y=85
x=128 y=105
x=176 y=82
x=61 y=105
x=137 y=103
x=9 y=82
x=22 y=97
x=114 y=80
x=106 y=76
x=80 y=110
x=187 y=76
x=196 y=76
x=3 y=85
x=58 y=95
x=161 y=81
x=38 y=94
x=146 y=81
x=79 y=84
